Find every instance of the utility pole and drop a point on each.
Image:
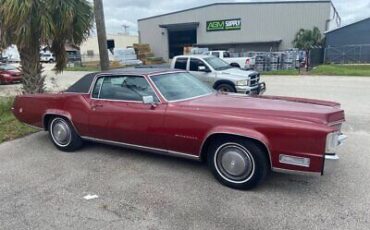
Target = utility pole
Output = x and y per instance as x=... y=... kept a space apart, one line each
x=102 y=36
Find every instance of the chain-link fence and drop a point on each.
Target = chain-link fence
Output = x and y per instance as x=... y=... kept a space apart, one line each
x=351 y=54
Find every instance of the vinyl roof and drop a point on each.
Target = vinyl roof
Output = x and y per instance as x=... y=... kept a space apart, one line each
x=84 y=84
x=238 y=3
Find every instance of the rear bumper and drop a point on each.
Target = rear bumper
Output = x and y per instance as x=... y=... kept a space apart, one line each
x=259 y=89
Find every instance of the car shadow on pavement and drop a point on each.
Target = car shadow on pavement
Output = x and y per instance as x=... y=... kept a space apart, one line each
x=277 y=181
x=274 y=181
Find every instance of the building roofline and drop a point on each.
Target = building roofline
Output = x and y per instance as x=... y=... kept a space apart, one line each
x=278 y=41
x=236 y=3
x=342 y=27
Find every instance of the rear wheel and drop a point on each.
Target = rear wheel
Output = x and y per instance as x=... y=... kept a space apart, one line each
x=63 y=135
x=226 y=88
x=238 y=163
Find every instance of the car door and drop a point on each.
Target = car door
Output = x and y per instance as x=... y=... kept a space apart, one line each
x=201 y=70
x=119 y=114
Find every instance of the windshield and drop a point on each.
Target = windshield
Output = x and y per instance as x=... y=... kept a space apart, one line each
x=180 y=86
x=217 y=63
x=8 y=67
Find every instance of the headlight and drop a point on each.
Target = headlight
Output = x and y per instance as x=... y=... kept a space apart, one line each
x=331 y=142
x=242 y=82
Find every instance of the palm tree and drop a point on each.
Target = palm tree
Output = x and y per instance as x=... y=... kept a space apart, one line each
x=306 y=40
x=32 y=23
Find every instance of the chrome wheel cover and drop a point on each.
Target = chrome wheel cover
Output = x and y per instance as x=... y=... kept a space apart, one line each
x=234 y=163
x=60 y=132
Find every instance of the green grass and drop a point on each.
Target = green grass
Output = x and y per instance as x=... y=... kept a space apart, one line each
x=282 y=72
x=10 y=127
x=342 y=70
x=327 y=70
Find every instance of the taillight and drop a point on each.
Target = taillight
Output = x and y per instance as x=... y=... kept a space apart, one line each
x=247 y=62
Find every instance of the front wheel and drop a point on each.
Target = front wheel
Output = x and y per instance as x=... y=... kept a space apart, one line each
x=63 y=135
x=226 y=88
x=238 y=163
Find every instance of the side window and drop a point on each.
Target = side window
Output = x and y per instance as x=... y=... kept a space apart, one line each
x=216 y=54
x=97 y=87
x=181 y=63
x=227 y=55
x=195 y=63
x=126 y=88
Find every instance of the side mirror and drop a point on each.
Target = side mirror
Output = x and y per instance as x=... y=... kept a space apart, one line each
x=203 y=69
x=148 y=100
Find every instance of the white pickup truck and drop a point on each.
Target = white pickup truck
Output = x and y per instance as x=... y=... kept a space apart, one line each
x=220 y=74
x=240 y=62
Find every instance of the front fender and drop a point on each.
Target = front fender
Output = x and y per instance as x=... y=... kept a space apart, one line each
x=239 y=131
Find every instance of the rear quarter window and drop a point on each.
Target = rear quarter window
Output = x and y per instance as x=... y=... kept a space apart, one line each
x=181 y=63
x=83 y=85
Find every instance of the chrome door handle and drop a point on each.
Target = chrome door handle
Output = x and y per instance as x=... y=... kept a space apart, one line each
x=94 y=107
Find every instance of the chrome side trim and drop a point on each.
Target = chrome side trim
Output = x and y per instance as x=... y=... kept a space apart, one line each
x=191 y=98
x=144 y=148
x=295 y=172
x=234 y=134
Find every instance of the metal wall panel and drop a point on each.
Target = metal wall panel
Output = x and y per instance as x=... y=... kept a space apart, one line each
x=354 y=34
x=260 y=23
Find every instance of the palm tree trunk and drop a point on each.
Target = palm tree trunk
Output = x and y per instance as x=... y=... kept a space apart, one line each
x=33 y=81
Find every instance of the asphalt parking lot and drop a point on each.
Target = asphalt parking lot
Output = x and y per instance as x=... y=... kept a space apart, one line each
x=43 y=188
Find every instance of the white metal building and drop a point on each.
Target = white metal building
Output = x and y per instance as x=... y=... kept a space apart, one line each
x=90 y=48
x=239 y=27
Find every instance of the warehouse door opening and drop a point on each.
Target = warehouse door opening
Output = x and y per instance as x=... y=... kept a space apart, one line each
x=177 y=40
x=180 y=35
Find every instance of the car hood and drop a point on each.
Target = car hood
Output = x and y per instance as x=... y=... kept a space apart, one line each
x=236 y=73
x=297 y=109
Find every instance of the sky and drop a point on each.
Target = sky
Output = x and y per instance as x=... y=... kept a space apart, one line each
x=126 y=12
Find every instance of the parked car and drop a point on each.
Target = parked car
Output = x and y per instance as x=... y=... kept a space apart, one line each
x=171 y=112
x=73 y=56
x=239 y=62
x=127 y=57
x=10 y=74
x=47 y=57
x=220 y=75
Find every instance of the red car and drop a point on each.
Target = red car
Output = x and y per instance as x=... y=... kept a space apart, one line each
x=9 y=74
x=171 y=112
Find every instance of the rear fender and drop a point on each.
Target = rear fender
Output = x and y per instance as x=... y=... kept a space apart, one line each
x=55 y=112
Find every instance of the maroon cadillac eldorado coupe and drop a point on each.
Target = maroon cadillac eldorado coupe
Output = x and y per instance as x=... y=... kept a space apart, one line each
x=170 y=112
